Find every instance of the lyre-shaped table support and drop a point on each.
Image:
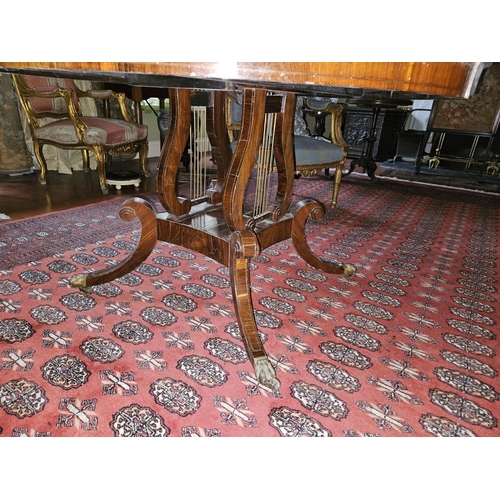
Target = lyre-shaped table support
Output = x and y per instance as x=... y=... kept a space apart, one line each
x=219 y=224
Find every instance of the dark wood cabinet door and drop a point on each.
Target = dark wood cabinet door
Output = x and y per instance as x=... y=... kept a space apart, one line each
x=357 y=123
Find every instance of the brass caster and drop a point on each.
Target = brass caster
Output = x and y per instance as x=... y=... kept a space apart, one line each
x=80 y=281
x=264 y=372
x=349 y=269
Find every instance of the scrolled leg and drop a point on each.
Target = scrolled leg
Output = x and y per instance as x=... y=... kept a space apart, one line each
x=316 y=210
x=353 y=165
x=135 y=207
x=371 y=167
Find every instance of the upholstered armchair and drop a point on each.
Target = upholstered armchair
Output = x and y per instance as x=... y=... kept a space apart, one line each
x=42 y=97
x=313 y=152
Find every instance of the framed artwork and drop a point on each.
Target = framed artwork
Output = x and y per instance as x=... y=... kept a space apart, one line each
x=479 y=115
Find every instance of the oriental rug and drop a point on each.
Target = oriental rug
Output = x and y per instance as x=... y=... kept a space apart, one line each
x=406 y=347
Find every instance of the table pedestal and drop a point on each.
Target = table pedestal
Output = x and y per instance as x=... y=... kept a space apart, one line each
x=220 y=224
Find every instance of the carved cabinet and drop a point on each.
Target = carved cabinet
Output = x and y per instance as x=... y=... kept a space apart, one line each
x=357 y=123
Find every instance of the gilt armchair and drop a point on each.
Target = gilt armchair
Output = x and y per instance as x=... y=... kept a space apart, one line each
x=41 y=97
x=313 y=152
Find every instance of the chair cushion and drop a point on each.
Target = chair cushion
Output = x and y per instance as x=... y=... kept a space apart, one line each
x=310 y=151
x=106 y=131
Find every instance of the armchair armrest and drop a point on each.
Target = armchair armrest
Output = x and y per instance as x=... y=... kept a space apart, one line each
x=109 y=94
x=97 y=94
x=74 y=112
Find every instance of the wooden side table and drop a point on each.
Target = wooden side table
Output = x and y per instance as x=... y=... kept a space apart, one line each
x=366 y=161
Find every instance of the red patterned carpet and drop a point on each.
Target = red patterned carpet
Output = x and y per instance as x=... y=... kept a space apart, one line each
x=406 y=347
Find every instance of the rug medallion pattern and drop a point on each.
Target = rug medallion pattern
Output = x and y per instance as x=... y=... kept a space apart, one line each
x=405 y=347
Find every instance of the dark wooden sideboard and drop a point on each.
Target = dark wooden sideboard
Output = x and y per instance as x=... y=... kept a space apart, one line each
x=356 y=128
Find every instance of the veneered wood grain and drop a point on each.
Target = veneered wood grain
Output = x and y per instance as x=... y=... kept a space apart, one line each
x=451 y=79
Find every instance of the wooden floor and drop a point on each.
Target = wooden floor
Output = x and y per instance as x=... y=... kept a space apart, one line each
x=23 y=196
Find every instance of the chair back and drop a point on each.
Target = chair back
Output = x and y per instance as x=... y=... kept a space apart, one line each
x=31 y=88
x=234 y=112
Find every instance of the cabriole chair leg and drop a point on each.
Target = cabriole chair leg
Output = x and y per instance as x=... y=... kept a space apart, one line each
x=37 y=149
x=101 y=169
x=143 y=156
x=85 y=158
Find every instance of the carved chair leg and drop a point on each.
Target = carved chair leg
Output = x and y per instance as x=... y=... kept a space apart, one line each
x=37 y=149
x=85 y=159
x=244 y=246
x=100 y=156
x=336 y=185
x=135 y=207
x=143 y=156
x=316 y=210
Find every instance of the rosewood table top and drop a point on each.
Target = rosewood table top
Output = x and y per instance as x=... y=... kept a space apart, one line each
x=387 y=79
